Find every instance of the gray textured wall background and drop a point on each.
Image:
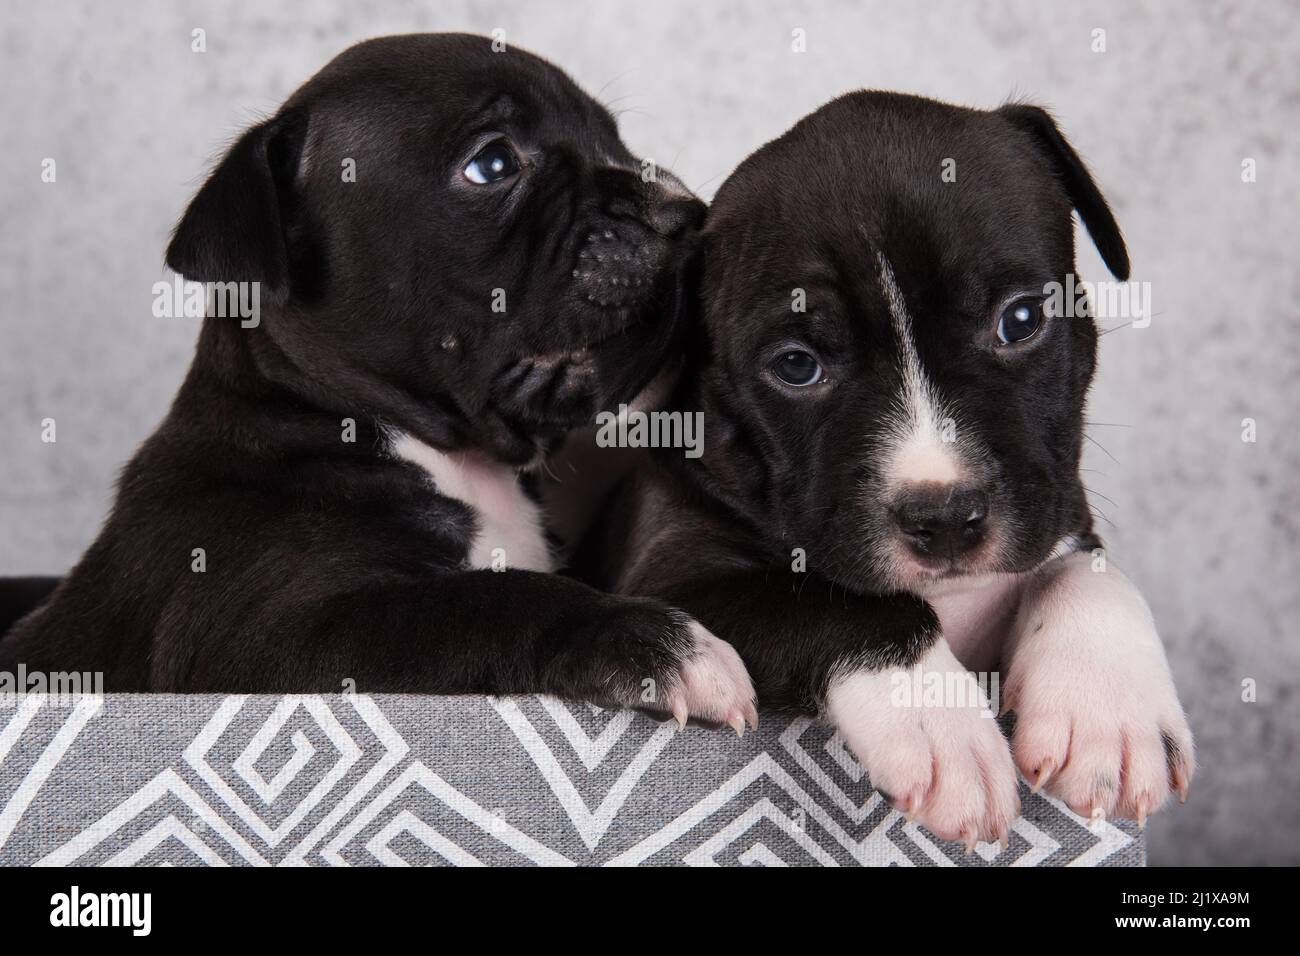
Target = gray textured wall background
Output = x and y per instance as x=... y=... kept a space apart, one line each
x=1207 y=524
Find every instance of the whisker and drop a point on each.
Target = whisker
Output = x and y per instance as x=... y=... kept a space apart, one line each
x=619 y=99
x=697 y=188
x=1102 y=447
x=1097 y=513
x=1100 y=495
x=613 y=81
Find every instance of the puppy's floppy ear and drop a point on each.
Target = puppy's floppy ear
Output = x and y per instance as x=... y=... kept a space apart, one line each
x=1074 y=176
x=233 y=230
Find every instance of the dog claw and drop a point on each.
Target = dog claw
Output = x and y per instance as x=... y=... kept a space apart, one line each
x=680 y=713
x=1005 y=705
x=971 y=842
x=1098 y=816
x=1142 y=815
x=1004 y=842
x=1044 y=774
x=1181 y=784
x=911 y=808
x=737 y=723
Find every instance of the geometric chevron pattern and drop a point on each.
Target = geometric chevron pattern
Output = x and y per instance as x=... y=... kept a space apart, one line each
x=352 y=780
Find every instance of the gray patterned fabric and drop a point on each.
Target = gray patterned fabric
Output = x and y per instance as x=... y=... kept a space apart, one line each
x=357 y=780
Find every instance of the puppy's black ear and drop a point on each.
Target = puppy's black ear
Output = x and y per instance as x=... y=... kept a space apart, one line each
x=233 y=230
x=1074 y=176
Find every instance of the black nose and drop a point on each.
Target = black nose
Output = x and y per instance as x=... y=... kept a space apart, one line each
x=942 y=521
x=673 y=217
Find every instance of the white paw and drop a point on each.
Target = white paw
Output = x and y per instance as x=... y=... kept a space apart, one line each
x=1098 y=722
x=941 y=760
x=713 y=684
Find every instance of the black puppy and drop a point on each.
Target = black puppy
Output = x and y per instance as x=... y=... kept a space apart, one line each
x=890 y=479
x=458 y=262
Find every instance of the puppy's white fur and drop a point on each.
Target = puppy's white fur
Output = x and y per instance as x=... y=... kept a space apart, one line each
x=949 y=765
x=915 y=452
x=1086 y=674
x=505 y=517
x=976 y=612
x=713 y=683
x=1095 y=700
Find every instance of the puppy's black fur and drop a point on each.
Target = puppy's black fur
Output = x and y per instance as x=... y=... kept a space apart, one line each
x=327 y=560
x=19 y=595
x=851 y=191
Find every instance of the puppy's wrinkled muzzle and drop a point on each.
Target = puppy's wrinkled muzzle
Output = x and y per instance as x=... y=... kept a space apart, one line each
x=632 y=237
x=620 y=263
x=615 y=268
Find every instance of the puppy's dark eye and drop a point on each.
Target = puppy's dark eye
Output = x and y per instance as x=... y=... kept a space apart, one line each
x=797 y=368
x=1020 y=319
x=493 y=163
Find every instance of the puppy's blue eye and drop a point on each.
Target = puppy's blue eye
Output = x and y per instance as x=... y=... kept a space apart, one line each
x=493 y=163
x=1020 y=319
x=797 y=368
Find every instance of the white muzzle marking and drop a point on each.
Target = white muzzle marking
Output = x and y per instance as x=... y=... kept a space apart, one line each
x=922 y=444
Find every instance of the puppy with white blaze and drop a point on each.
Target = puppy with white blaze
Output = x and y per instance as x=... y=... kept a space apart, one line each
x=458 y=263
x=890 y=486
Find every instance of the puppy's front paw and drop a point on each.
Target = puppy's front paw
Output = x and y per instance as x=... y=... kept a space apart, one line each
x=658 y=658
x=1098 y=722
x=712 y=683
x=943 y=762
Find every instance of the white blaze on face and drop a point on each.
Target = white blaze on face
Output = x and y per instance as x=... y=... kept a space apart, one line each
x=921 y=445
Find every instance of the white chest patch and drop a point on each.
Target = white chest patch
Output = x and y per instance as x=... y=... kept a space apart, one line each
x=976 y=614
x=509 y=527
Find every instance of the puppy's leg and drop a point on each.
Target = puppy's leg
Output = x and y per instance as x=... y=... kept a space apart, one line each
x=859 y=661
x=1098 y=721
x=481 y=632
